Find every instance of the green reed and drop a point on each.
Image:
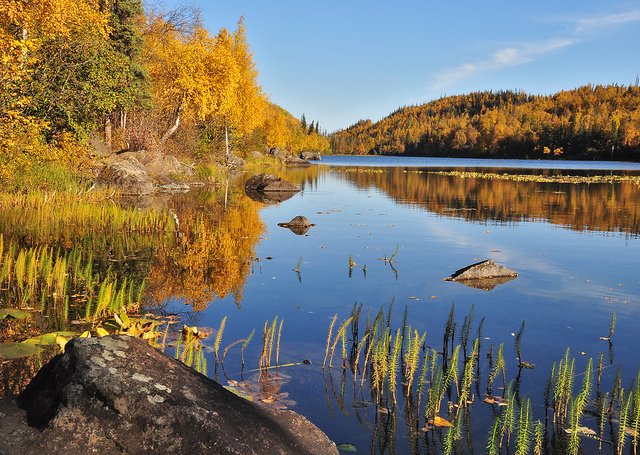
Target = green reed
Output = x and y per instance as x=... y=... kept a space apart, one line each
x=93 y=219
x=50 y=280
x=218 y=338
x=577 y=408
x=439 y=388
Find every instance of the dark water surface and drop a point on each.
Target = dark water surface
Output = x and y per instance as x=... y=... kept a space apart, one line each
x=575 y=246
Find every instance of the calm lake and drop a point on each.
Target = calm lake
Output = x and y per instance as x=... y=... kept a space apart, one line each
x=575 y=246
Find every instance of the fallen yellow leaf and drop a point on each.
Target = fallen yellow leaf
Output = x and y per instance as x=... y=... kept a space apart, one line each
x=440 y=422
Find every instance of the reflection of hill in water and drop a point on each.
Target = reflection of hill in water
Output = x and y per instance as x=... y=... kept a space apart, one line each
x=594 y=207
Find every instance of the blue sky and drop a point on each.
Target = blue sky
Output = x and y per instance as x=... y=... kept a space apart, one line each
x=341 y=61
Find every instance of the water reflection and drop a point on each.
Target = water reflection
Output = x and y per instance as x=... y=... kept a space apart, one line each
x=215 y=251
x=594 y=207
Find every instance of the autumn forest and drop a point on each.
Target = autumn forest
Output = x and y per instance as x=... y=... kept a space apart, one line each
x=74 y=70
x=588 y=123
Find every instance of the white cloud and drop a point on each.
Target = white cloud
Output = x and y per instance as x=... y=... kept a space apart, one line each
x=529 y=52
x=591 y=23
x=509 y=56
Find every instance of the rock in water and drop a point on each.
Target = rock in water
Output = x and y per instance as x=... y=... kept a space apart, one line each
x=117 y=394
x=310 y=156
x=298 y=225
x=483 y=270
x=268 y=182
x=296 y=161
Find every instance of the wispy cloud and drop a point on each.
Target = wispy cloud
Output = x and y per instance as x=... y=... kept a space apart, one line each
x=529 y=52
x=591 y=23
x=509 y=56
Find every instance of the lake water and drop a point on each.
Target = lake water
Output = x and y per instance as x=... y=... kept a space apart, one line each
x=576 y=248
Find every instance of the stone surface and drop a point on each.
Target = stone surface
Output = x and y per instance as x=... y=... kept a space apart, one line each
x=277 y=153
x=235 y=162
x=164 y=169
x=310 y=156
x=298 y=225
x=484 y=270
x=141 y=172
x=295 y=161
x=270 y=183
x=128 y=174
x=117 y=394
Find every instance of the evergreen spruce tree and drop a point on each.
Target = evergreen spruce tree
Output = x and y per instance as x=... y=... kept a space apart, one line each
x=303 y=123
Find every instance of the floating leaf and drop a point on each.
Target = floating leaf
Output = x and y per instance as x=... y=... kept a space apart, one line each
x=583 y=431
x=440 y=422
x=490 y=399
x=527 y=365
x=49 y=339
x=13 y=313
x=18 y=350
x=347 y=447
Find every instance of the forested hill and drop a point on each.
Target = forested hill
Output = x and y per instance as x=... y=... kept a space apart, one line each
x=590 y=122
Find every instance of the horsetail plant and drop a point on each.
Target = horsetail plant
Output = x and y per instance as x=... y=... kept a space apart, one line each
x=577 y=408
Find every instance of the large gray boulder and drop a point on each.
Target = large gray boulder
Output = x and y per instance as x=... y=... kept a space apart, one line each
x=128 y=174
x=117 y=394
x=164 y=169
x=483 y=270
x=142 y=172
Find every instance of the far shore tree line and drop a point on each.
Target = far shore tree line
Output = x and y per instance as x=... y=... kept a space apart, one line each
x=590 y=122
x=74 y=70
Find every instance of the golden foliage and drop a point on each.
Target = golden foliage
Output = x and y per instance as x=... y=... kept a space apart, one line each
x=214 y=257
x=588 y=122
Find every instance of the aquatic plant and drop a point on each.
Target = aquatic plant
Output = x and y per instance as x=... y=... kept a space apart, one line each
x=577 y=408
x=387 y=356
x=218 y=339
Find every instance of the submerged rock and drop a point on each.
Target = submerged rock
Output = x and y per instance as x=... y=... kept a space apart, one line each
x=117 y=394
x=270 y=183
x=298 y=225
x=483 y=275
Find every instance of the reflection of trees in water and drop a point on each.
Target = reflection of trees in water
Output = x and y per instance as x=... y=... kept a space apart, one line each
x=597 y=207
x=214 y=252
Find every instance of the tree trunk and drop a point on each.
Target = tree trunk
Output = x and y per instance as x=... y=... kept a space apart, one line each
x=171 y=131
x=107 y=132
x=226 y=140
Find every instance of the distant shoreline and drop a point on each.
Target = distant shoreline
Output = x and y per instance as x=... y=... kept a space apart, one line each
x=512 y=163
